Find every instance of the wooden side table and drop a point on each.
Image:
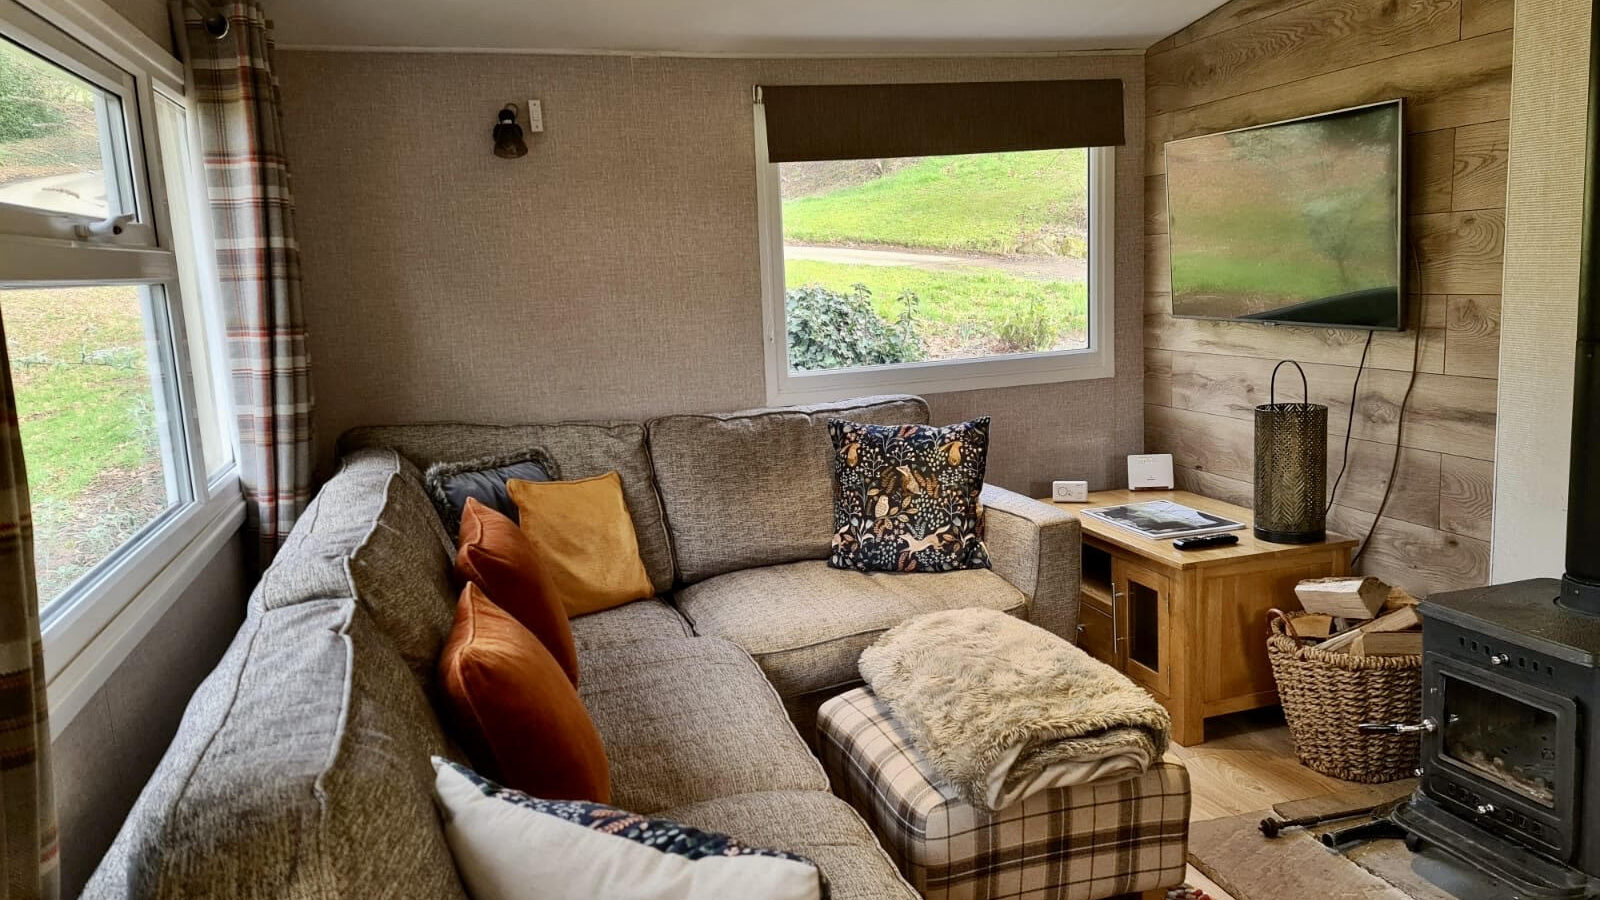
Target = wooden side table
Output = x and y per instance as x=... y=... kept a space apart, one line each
x=1191 y=626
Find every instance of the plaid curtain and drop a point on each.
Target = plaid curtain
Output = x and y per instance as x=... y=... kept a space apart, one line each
x=26 y=798
x=234 y=100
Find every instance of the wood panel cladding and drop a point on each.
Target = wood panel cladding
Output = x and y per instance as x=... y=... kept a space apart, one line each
x=1255 y=61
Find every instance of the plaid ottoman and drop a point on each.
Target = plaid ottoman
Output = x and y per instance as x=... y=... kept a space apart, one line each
x=1078 y=843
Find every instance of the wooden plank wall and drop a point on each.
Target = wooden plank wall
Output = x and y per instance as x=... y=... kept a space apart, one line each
x=1255 y=61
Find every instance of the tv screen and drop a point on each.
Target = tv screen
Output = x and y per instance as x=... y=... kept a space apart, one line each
x=1296 y=222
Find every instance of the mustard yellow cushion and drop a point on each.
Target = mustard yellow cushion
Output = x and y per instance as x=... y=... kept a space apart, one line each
x=583 y=540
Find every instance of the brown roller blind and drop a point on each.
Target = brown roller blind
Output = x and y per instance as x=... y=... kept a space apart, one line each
x=874 y=121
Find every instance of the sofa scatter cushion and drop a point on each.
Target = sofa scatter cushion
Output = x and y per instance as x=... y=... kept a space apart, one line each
x=905 y=497
x=451 y=484
x=494 y=554
x=583 y=541
x=754 y=488
x=506 y=843
x=515 y=712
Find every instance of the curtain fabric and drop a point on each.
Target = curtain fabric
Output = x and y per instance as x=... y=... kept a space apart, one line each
x=234 y=101
x=27 y=802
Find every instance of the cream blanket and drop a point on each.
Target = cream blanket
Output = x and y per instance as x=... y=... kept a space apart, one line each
x=1003 y=709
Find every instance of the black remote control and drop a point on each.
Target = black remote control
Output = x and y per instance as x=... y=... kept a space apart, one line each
x=1202 y=541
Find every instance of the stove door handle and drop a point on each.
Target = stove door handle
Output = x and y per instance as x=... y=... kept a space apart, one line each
x=1426 y=726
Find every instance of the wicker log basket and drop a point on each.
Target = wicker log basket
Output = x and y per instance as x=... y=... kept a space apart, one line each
x=1326 y=695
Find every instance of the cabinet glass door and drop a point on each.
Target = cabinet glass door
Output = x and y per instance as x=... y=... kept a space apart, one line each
x=1142 y=619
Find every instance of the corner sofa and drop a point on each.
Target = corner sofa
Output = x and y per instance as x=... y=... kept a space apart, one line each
x=301 y=768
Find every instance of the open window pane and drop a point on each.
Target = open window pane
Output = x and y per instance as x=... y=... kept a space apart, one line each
x=91 y=401
x=63 y=144
x=915 y=259
x=198 y=316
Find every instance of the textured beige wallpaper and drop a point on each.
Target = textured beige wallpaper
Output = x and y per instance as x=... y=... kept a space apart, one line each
x=614 y=271
x=1544 y=228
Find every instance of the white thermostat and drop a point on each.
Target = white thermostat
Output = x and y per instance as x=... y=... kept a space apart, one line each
x=1069 y=491
x=1150 y=472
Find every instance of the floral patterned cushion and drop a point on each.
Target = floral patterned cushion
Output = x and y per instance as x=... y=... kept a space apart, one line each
x=905 y=498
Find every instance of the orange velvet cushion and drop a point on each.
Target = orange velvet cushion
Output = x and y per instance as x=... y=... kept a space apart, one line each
x=495 y=555
x=514 y=711
x=583 y=539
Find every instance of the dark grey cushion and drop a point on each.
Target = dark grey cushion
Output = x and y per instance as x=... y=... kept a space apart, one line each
x=755 y=488
x=451 y=484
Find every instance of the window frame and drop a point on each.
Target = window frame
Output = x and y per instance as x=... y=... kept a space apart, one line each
x=92 y=627
x=784 y=386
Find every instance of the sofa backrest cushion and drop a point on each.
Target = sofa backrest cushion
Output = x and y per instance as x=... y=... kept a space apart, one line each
x=579 y=449
x=300 y=770
x=372 y=533
x=755 y=488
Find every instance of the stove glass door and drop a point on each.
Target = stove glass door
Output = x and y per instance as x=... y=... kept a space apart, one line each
x=1502 y=739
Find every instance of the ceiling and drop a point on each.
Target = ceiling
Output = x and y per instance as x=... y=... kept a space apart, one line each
x=776 y=27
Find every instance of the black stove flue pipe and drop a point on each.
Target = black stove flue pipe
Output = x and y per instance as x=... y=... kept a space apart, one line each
x=1580 y=586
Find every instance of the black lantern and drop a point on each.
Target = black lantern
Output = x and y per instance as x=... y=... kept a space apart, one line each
x=508 y=142
x=1291 y=466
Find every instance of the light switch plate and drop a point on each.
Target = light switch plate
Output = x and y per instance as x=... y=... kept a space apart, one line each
x=535 y=117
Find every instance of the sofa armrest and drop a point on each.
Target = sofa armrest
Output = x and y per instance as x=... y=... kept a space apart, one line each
x=1036 y=547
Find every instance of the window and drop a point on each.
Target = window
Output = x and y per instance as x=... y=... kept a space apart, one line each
x=935 y=273
x=104 y=300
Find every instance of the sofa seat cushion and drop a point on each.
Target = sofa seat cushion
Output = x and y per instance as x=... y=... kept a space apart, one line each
x=755 y=488
x=690 y=719
x=641 y=620
x=806 y=623
x=818 y=826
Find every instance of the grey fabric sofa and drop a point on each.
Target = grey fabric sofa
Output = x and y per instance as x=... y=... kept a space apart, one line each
x=301 y=767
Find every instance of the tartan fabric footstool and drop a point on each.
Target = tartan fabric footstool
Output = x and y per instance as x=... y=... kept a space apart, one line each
x=1078 y=843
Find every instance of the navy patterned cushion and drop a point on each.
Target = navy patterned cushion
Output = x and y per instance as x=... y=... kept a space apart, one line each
x=504 y=841
x=905 y=498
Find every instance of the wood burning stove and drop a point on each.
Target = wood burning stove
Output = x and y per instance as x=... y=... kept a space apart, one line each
x=1510 y=680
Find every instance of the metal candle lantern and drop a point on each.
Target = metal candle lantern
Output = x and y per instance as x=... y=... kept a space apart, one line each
x=1291 y=466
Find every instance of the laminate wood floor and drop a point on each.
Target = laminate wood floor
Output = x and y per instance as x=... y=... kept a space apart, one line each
x=1247 y=763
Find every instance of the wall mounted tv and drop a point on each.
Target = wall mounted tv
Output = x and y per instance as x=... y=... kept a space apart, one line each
x=1297 y=222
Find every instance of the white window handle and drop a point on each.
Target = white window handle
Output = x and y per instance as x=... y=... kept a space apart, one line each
x=107 y=227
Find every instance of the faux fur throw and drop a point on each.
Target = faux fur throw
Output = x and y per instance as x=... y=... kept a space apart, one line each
x=1003 y=709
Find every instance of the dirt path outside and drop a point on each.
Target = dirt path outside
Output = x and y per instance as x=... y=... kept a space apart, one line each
x=1040 y=268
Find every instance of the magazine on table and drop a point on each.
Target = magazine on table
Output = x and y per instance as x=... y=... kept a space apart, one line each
x=1159 y=519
